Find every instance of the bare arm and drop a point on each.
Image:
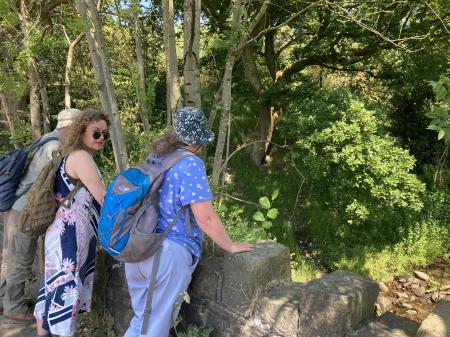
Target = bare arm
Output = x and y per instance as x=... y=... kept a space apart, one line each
x=210 y=223
x=80 y=165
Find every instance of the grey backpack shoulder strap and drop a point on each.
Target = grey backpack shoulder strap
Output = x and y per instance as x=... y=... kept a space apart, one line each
x=173 y=158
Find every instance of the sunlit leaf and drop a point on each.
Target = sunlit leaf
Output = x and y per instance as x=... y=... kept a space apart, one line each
x=258 y=216
x=272 y=213
x=264 y=202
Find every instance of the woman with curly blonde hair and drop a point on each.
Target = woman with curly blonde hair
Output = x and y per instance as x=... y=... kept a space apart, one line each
x=70 y=241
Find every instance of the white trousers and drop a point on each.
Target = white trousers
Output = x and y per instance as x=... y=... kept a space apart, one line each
x=172 y=280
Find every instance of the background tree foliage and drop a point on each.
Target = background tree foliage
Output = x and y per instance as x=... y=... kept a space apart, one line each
x=323 y=101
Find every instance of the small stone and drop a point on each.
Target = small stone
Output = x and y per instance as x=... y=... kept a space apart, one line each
x=384 y=303
x=401 y=295
x=422 y=275
x=437 y=296
x=378 y=310
x=402 y=280
x=419 y=291
x=446 y=287
x=411 y=312
x=383 y=287
x=257 y=320
x=406 y=305
x=412 y=298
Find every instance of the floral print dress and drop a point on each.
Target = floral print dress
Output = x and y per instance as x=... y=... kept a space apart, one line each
x=70 y=247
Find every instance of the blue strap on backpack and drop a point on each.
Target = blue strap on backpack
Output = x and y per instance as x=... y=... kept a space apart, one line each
x=12 y=167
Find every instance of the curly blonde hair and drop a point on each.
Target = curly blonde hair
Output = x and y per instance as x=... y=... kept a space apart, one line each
x=73 y=141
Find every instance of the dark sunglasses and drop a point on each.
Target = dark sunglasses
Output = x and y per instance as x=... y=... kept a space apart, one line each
x=97 y=134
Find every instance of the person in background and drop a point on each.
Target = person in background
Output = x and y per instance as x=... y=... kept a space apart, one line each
x=184 y=184
x=70 y=241
x=19 y=249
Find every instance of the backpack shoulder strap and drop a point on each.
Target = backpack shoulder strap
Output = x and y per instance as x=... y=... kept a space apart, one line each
x=173 y=158
x=41 y=141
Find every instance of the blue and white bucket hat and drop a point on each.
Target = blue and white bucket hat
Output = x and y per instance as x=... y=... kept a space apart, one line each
x=191 y=126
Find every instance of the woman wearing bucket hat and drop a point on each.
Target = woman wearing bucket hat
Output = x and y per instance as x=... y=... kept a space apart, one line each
x=185 y=184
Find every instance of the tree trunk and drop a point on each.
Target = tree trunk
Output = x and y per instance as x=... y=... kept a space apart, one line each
x=226 y=99
x=226 y=83
x=69 y=63
x=100 y=62
x=269 y=112
x=191 y=48
x=33 y=85
x=174 y=99
x=35 y=106
x=214 y=106
x=45 y=105
x=140 y=68
x=9 y=105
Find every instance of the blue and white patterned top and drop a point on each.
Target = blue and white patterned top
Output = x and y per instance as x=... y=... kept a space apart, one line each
x=184 y=183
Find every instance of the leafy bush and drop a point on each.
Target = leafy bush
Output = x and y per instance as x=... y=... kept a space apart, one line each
x=357 y=175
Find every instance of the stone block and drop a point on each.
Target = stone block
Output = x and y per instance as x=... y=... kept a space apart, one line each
x=232 y=280
x=387 y=325
x=277 y=309
x=225 y=323
x=118 y=301
x=437 y=323
x=335 y=304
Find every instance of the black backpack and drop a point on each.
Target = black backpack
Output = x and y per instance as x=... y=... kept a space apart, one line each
x=12 y=167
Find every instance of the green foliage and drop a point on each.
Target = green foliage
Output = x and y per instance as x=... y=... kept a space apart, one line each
x=440 y=111
x=271 y=213
x=353 y=168
x=195 y=331
x=364 y=209
x=239 y=226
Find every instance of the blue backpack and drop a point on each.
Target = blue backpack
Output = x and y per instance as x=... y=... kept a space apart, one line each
x=130 y=210
x=12 y=167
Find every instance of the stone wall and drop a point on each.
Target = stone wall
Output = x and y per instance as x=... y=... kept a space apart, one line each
x=251 y=294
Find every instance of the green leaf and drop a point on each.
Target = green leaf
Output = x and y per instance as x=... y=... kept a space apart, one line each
x=264 y=202
x=258 y=216
x=275 y=194
x=272 y=213
x=267 y=224
x=441 y=134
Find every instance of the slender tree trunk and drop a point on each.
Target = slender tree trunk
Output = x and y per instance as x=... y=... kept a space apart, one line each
x=69 y=63
x=45 y=105
x=214 y=106
x=35 y=106
x=174 y=99
x=100 y=62
x=226 y=82
x=191 y=72
x=226 y=99
x=140 y=68
x=9 y=104
x=33 y=85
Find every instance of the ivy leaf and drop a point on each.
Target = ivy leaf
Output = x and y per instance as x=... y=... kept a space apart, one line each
x=258 y=216
x=272 y=213
x=264 y=202
x=275 y=194
x=441 y=134
x=267 y=224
